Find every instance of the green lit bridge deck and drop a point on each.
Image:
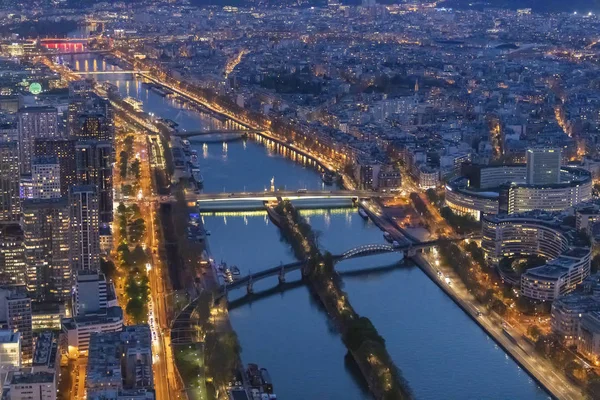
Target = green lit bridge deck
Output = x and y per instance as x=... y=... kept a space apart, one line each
x=114 y=72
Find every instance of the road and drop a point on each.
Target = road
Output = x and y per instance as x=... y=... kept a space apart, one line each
x=519 y=349
x=164 y=378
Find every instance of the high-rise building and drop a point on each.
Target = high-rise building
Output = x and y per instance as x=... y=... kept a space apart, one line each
x=64 y=151
x=90 y=295
x=45 y=177
x=543 y=166
x=12 y=255
x=10 y=204
x=46 y=227
x=85 y=237
x=15 y=314
x=94 y=126
x=93 y=161
x=90 y=117
x=35 y=122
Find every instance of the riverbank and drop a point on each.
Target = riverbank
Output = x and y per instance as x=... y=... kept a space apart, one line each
x=519 y=350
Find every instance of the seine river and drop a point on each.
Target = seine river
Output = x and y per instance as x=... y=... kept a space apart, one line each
x=442 y=353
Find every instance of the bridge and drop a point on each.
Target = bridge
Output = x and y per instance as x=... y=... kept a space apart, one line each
x=204 y=198
x=408 y=249
x=115 y=72
x=183 y=333
x=186 y=134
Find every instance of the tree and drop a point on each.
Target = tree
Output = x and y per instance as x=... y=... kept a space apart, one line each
x=136 y=229
x=108 y=268
x=135 y=169
x=595 y=263
x=534 y=331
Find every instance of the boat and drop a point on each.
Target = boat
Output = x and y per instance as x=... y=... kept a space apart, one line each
x=135 y=103
x=197 y=176
x=235 y=270
x=186 y=145
x=158 y=91
x=363 y=213
x=328 y=178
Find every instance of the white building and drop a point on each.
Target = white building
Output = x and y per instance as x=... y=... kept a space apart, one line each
x=78 y=330
x=32 y=386
x=588 y=342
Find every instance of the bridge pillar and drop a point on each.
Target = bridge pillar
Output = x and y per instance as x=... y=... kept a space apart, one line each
x=410 y=252
x=250 y=287
x=281 y=276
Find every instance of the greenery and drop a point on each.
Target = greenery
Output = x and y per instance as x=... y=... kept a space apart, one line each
x=595 y=263
x=420 y=205
x=108 y=268
x=520 y=264
x=458 y=260
x=135 y=169
x=358 y=333
x=138 y=292
x=461 y=224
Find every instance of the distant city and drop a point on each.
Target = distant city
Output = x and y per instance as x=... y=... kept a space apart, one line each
x=327 y=199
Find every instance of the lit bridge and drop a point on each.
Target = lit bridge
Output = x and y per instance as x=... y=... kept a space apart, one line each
x=408 y=250
x=207 y=198
x=183 y=333
x=214 y=132
x=114 y=72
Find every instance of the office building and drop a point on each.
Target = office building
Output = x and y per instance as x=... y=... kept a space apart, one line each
x=543 y=166
x=34 y=123
x=10 y=203
x=45 y=177
x=77 y=330
x=85 y=237
x=10 y=350
x=90 y=117
x=90 y=295
x=25 y=385
x=588 y=342
x=47 y=315
x=46 y=228
x=567 y=312
x=136 y=345
x=93 y=160
x=64 y=151
x=488 y=190
x=541 y=234
x=12 y=255
x=46 y=357
x=120 y=362
x=15 y=314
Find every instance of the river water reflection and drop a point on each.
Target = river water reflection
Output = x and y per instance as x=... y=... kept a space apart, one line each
x=442 y=353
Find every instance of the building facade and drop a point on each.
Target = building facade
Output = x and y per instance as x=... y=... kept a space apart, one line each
x=10 y=201
x=85 y=237
x=46 y=227
x=35 y=122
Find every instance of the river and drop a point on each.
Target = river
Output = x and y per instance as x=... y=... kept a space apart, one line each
x=442 y=353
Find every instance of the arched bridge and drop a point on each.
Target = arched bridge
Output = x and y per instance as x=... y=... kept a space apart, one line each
x=182 y=333
x=408 y=248
x=189 y=134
